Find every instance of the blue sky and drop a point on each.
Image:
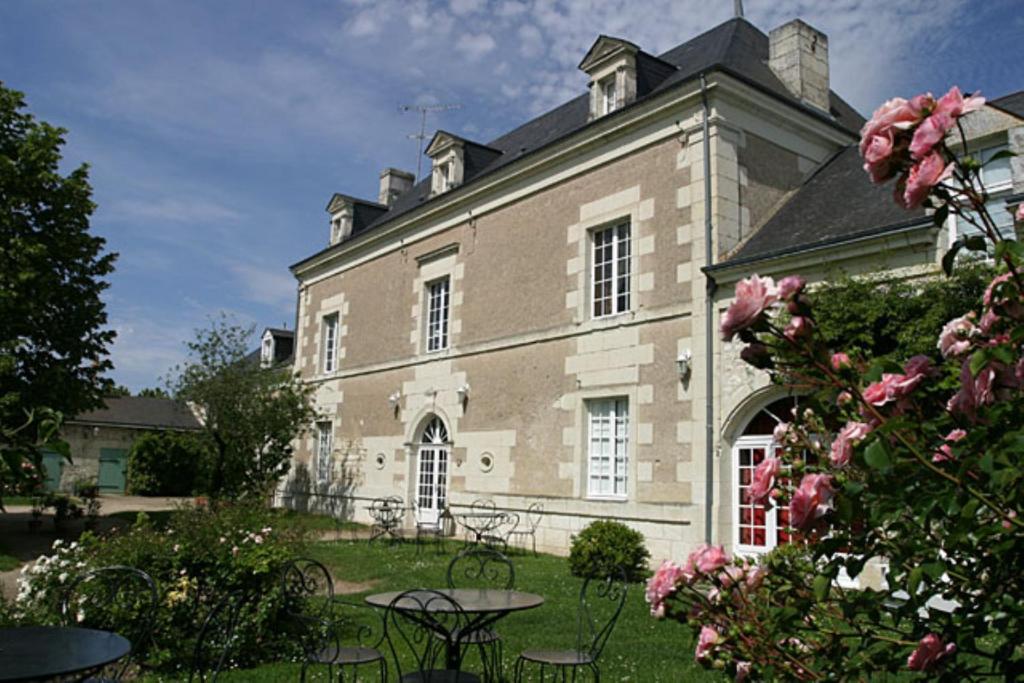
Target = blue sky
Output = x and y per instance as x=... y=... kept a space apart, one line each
x=217 y=131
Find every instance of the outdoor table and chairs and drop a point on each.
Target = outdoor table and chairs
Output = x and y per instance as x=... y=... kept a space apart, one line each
x=387 y=518
x=39 y=653
x=453 y=614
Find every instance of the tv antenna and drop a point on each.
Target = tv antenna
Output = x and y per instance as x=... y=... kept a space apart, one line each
x=423 y=110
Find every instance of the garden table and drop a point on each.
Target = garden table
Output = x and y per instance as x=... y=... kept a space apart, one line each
x=478 y=523
x=37 y=653
x=483 y=607
x=387 y=518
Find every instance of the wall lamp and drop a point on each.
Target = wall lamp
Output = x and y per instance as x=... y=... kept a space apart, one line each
x=463 y=393
x=394 y=400
x=683 y=364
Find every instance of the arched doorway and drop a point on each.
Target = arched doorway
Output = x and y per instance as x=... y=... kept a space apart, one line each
x=433 y=452
x=758 y=529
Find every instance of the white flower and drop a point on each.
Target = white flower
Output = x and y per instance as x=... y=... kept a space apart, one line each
x=63 y=577
x=257 y=539
x=177 y=547
x=74 y=544
x=58 y=543
x=80 y=616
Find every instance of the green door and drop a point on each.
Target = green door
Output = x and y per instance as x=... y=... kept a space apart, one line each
x=53 y=466
x=113 y=462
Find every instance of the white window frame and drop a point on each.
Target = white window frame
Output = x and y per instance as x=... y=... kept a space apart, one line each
x=437 y=333
x=997 y=193
x=608 y=468
x=324 y=450
x=608 y=95
x=331 y=326
x=267 y=352
x=621 y=259
x=771 y=513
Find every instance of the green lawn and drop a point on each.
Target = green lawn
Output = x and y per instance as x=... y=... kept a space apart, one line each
x=7 y=561
x=640 y=649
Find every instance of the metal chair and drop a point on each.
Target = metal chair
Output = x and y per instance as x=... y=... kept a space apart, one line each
x=308 y=589
x=601 y=602
x=425 y=626
x=351 y=638
x=217 y=637
x=498 y=534
x=432 y=531
x=387 y=516
x=533 y=517
x=115 y=598
x=478 y=567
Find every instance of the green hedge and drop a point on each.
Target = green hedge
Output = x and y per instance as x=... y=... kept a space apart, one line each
x=604 y=545
x=165 y=464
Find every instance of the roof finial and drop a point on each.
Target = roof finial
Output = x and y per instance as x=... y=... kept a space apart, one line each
x=737 y=8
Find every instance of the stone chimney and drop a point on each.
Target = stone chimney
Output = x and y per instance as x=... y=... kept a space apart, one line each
x=393 y=182
x=798 y=54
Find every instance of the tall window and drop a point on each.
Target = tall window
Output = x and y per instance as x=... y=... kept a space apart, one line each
x=611 y=270
x=608 y=95
x=996 y=176
x=437 y=315
x=607 y=447
x=324 y=450
x=330 y=331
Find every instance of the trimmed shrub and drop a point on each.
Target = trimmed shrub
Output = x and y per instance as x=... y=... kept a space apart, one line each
x=165 y=464
x=604 y=545
x=201 y=555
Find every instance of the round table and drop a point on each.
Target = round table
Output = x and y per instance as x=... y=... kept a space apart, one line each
x=484 y=605
x=32 y=653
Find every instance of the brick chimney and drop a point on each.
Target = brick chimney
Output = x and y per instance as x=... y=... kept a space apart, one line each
x=798 y=54
x=393 y=182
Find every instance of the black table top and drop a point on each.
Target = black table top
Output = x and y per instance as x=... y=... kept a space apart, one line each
x=35 y=652
x=471 y=600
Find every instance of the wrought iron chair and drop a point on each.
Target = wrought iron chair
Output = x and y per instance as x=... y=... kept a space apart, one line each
x=533 y=517
x=601 y=602
x=351 y=638
x=116 y=598
x=478 y=567
x=498 y=534
x=217 y=637
x=433 y=532
x=308 y=589
x=424 y=626
x=387 y=517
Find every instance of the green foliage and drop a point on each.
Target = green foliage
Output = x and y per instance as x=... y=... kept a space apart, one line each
x=604 y=545
x=251 y=415
x=54 y=337
x=165 y=464
x=895 y=319
x=200 y=556
x=152 y=392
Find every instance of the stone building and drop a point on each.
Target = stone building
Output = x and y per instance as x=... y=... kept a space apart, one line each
x=537 y=319
x=100 y=439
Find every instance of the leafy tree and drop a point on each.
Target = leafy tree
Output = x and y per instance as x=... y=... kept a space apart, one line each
x=165 y=463
x=153 y=392
x=250 y=414
x=53 y=344
x=117 y=391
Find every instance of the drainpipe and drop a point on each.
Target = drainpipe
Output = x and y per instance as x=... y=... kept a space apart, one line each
x=709 y=327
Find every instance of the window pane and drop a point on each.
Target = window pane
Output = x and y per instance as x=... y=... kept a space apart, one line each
x=437 y=315
x=607 y=450
x=994 y=173
x=611 y=270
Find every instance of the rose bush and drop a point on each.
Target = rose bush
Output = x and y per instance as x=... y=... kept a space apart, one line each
x=199 y=557
x=922 y=477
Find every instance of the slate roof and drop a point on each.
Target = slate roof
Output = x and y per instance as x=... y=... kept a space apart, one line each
x=735 y=47
x=284 y=347
x=137 y=411
x=1013 y=103
x=836 y=203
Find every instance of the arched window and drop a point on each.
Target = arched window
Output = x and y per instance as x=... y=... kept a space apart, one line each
x=432 y=455
x=758 y=529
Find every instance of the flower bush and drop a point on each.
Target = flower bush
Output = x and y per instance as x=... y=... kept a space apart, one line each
x=922 y=475
x=199 y=557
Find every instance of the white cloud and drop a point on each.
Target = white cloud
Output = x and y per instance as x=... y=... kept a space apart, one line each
x=475 y=46
x=271 y=285
x=172 y=210
x=463 y=7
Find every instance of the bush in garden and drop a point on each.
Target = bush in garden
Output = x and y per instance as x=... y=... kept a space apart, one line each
x=199 y=557
x=923 y=472
x=164 y=464
x=604 y=545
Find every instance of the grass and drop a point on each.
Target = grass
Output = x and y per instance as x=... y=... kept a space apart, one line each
x=641 y=648
x=7 y=561
x=17 y=500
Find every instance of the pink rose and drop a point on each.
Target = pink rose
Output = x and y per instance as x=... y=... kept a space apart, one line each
x=764 y=480
x=944 y=452
x=954 y=105
x=753 y=296
x=840 y=361
x=895 y=114
x=663 y=584
x=923 y=176
x=954 y=340
x=706 y=642
x=783 y=433
x=929 y=652
x=811 y=501
x=708 y=558
x=877 y=158
x=843 y=398
x=842 y=447
x=730 y=576
x=755 y=577
x=964 y=401
x=930 y=133
x=797 y=328
x=790 y=286
x=877 y=393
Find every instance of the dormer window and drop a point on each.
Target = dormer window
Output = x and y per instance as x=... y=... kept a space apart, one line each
x=267 y=351
x=447 y=153
x=608 y=95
